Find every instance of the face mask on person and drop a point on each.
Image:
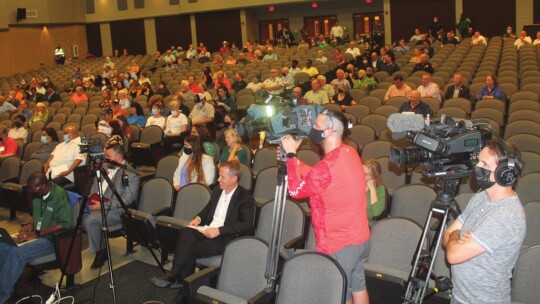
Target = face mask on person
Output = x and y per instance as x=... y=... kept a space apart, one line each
x=187 y=151
x=482 y=177
x=174 y=112
x=43 y=139
x=316 y=136
x=199 y=104
x=227 y=124
x=154 y=111
x=66 y=138
x=18 y=124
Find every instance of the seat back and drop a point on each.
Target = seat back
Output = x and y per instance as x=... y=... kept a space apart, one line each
x=10 y=168
x=293 y=223
x=532 y=218
x=392 y=175
x=29 y=149
x=166 y=167
x=301 y=282
x=243 y=266
x=28 y=169
x=376 y=149
x=525 y=279
x=412 y=202
x=362 y=134
x=190 y=200
x=264 y=158
x=309 y=157
x=157 y=187
x=527 y=188
x=265 y=184
x=246 y=181
x=393 y=243
x=151 y=135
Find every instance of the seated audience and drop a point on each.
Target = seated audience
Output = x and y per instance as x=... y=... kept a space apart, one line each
x=429 y=88
x=18 y=131
x=156 y=119
x=221 y=81
x=478 y=39
x=458 y=89
x=399 y=88
x=56 y=217
x=239 y=83
x=49 y=141
x=233 y=149
x=424 y=65
x=65 y=158
x=162 y=90
x=320 y=57
x=92 y=223
x=228 y=214
x=194 y=166
x=8 y=146
x=136 y=115
x=203 y=112
x=416 y=57
x=41 y=114
x=309 y=69
x=103 y=125
x=123 y=100
x=510 y=33
x=255 y=84
x=536 y=41
x=389 y=66
x=329 y=89
x=316 y=95
x=79 y=95
x=204 y=135
x=375 y=190
x=297 y=95
x=270 y=55
x=523 y=39
x=343 y=98
x=492 y=90
x=5 y=106
x=340 y=79
x=224 y=104
x=416 y=105
x=176 y=126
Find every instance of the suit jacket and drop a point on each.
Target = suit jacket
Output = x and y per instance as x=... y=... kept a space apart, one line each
x=464 y=92
x=52 y=97
x=37 y=97
x=240 y=214
x=128 y=193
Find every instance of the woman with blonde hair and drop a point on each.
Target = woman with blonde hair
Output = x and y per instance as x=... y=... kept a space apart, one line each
x=233 y=149
x=193 y=166
x=40 y=114
x=375 y=190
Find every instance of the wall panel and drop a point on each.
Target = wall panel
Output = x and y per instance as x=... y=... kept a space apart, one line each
x=129 y=34
x=93 y=37
x=214 y=27
x=173 y=30
x=407 y=15
x=536 y=10
x=491 y=17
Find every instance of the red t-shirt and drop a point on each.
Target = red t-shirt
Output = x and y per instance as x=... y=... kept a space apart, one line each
x=336 y=187
x=8 y=146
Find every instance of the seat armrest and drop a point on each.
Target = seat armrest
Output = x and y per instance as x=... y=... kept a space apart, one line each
x=163 y=211
x=263 y=297
x=296 y=243
x=205 y=277
x=14 y=180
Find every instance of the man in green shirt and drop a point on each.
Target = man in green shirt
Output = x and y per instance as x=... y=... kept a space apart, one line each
x=52 y=213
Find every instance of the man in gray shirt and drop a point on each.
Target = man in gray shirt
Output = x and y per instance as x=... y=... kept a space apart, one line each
x=483 y=244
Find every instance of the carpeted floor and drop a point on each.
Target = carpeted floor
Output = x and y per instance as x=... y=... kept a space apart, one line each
x=132 y=287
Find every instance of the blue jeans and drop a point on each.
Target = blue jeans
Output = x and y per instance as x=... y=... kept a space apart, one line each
x=13 y=259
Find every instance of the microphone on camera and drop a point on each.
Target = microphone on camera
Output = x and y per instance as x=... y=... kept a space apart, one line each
x=400 y=124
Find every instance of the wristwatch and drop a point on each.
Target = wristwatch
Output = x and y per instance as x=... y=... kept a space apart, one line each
x=291 y=155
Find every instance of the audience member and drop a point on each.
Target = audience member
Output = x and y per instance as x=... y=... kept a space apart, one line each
x=388 y=65
x=339 y=58
x=523 y=39
x=273 y=84
x=492 y=90
x=8 y=146
x=19 y=131
x=417 y=35
x=320 y=57
x=103 y=125
x=221 y=81
x=309 y=69
x=343 y=98
x=204 y=135
x=156 y=119
x=376 y=62
x=416 y=57
x=424 y=65
x=375 y=190
x=136 y=115
x=353 y=50
x=41 y=114
x=298 y=97
x=23 y=110
x=287 y=80
x=176 y=125
x=329 y=89
x=233 y=149
x=35 y=96
x=458 y=89
x=49 y=141
x=123 y=100
x=316 y=95
x=399 y=88
x=416 y=105
x=127 y=191
x=163 y=90
x=117 y=109
x=478 y=39
x=65 y=158
x=194 y=166
x=203 y=112
x=429 y=88
x=270 y=55
x=340 y=79
x=239 y=83
x=79 y=95
x=536 y=41
x=463 y=25
x=510 y=33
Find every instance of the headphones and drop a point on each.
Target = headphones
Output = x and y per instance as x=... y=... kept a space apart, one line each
x=506 y=173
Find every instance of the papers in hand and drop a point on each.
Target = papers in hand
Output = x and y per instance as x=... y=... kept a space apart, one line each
x=201 y=229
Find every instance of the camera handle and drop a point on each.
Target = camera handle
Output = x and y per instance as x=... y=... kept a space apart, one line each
x=426 y=252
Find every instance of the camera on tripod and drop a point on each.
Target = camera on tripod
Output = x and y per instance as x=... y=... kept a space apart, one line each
x=93 y=147
x=278 y=117
x=445 y=147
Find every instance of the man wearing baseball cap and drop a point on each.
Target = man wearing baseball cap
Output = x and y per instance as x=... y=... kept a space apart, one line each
x=202 y=112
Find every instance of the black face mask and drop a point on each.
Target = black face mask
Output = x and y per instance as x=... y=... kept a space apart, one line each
x=482 y=177
x=227 y=124
x=18 y=124
x=187 y=151
x=316 y=136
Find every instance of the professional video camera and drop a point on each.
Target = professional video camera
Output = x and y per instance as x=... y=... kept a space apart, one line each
x=93 y=147
x=278 y=117
x=445 y=147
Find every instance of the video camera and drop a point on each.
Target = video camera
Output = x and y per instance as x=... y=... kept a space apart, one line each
x=447 y=147
x=278 y=117
x=93 y=147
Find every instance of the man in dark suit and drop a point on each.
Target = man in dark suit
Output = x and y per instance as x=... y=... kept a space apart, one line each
x=35 y=95
x=376 y=63
x=228 y=215
x=92 y=222
x=52 y=95
x=457 y=89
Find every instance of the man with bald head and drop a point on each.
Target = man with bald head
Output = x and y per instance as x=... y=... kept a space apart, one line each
x=52 y=213
x=65 y=158
x=424 y=65
x=416 y=105
x=274 y=84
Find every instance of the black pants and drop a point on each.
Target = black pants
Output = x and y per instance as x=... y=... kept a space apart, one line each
x=193 y=245
x=61 y=181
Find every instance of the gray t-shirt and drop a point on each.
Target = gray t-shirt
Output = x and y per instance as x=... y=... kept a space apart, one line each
x=499 y=227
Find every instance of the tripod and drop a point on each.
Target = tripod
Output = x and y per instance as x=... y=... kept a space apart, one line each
x=100 y=175
x=424 y=257
x=277 y=223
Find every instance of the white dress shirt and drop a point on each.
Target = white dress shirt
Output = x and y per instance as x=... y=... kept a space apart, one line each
x=221 y=209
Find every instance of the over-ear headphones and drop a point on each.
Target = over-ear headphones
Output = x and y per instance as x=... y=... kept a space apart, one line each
x=506 y=173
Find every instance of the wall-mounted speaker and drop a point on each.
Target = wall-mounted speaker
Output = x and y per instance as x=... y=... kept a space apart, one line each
x=138 y=4
x=21 y=14
x=90 y=6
